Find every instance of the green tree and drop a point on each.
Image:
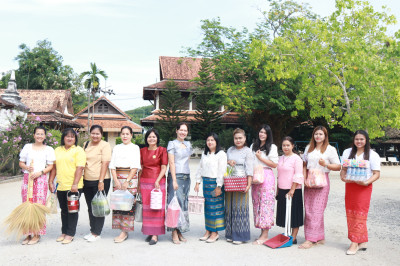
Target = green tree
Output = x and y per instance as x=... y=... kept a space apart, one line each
x=170 y=113
x=208 y=104
x=140 y=112
x=41 y=68
x=92 y=84
x=347 y=65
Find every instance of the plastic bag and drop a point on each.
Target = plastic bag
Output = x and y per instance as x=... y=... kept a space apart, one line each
x=173 y=212
x=122 y=200
x=100 y=207
x=138 y=208
x=51 y=203
x=258 y=174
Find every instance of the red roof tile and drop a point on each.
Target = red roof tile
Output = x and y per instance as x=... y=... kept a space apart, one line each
x=179 y=68
x=46 y=101
x=112 y=125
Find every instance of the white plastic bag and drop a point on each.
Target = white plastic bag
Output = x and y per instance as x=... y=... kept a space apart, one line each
x=173 y=213
x=100 y=207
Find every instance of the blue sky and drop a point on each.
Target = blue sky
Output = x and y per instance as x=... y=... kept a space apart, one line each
x=126 y=37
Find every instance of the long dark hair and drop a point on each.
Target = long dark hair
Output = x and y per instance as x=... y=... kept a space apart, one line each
x=148 y=134
x=217 y=148
x=268 y=142
x=367 y=146
x=291 y=140
x=66 y=132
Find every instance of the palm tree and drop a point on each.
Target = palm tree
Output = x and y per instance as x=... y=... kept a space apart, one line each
x=92 y=84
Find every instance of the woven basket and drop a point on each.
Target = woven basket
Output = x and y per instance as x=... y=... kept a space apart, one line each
x=156 y=197
x=196 y=204
x=235 y=184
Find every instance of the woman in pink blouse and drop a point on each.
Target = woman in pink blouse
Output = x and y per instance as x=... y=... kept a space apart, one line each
x=290 y=180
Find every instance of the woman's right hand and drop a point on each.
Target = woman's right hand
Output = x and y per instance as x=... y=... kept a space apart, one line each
x=232 y=163
x=175 y=184
x=117 y=185
x=29 y=169
x=196 y=188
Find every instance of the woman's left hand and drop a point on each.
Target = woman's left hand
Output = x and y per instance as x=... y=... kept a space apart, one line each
x=35 y=175
x=74 y=188
x=125 y=185
x=157 y=185
x=290 y=193
x=362 y=183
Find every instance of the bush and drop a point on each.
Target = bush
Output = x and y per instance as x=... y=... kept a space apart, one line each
x=13 y=139
x=199 y=144
x=226 y=138
x=137 y=139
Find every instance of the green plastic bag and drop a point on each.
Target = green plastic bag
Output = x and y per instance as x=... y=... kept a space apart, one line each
x=100 y=206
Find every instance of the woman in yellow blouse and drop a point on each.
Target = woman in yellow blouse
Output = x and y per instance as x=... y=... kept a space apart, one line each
x=70 y=162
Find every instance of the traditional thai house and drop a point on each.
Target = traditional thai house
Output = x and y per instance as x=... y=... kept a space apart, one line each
x=107 y=115
x=182 y=70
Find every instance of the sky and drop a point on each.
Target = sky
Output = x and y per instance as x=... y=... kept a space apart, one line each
x=126 y=37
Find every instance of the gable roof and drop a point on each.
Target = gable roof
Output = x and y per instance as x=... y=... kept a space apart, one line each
x=103 y=98
x=47 y=101
x=179 y=68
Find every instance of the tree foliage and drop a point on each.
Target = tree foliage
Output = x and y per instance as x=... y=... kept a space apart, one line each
x=41 y=68
x=140 y=112
x=170 y=113
x=347 y=65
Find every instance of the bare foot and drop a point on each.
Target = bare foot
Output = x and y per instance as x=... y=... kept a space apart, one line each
x=306 y=245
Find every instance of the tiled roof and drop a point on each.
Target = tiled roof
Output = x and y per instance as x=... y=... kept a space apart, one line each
x=227 y=118
x=108 y=101
x=162 y=85
x=112 y=125
x=55 y=118
x=179 y=68
x=46 y=101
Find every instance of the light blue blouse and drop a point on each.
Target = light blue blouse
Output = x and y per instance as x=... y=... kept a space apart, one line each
x=181 y=155
x=244 y=160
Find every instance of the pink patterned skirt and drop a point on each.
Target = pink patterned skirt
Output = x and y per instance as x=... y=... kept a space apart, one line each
x=40 y=186
x=263 y=196
x=315 y=200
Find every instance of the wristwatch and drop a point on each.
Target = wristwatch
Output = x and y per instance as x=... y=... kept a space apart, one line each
x=101 y=181
x=42 y=172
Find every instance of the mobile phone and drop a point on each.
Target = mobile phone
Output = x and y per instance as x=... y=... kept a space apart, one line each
x=213 y=193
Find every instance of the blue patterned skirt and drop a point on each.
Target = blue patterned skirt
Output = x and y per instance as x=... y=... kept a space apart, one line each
x=237 y=216
x=213 y=206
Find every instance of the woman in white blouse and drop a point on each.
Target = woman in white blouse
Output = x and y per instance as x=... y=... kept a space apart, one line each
x=36 y=160
x=263 y=188
x=319 y=159
x=211 y=170
x=124 y=165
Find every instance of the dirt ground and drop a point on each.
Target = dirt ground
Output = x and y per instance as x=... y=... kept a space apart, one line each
x=383 y=227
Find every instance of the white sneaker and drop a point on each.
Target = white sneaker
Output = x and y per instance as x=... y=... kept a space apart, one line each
x=93 y=238
x=237 y=242
x=86 y=237
x=229 y=240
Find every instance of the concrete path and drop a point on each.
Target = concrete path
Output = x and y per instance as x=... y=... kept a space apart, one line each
x=383 y=247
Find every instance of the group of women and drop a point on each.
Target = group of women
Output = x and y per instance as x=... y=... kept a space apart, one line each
x=141 y=170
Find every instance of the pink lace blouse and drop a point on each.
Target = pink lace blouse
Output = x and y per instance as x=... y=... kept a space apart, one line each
x=290 y=169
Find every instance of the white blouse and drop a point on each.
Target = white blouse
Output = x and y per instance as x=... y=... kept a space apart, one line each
x=40 y=158
x=330 y=156
x=126 y=156
x=213 y=166
x=272 y=156
x=374 y=160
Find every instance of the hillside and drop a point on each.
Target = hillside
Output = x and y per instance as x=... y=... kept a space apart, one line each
x=140 y=112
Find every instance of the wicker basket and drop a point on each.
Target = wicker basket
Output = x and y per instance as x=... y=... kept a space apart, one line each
x=196 y=204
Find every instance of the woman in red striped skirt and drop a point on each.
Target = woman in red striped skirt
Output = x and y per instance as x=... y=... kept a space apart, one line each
x=154 y=161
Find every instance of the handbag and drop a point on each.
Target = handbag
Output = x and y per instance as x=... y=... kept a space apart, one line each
x=196 y=204
x=235 y=183
x=316 y=178
x=258 y=175
x=156 y=197
x=138 y=208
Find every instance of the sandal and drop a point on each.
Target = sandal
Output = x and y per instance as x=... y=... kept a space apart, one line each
x=259 y=242
x=26 y=240
x=181 y=238
x=34 y=241
x=307 y=245
x=120 y=240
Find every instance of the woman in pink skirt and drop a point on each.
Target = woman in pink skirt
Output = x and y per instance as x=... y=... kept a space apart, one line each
x=263 y=193
x=36 y=160
x=319 y=157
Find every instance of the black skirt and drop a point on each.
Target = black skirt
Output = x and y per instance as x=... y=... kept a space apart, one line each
x=297 y=208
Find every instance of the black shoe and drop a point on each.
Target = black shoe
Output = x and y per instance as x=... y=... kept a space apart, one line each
x=152 y=242
x=295 y=242
x=148 y=238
